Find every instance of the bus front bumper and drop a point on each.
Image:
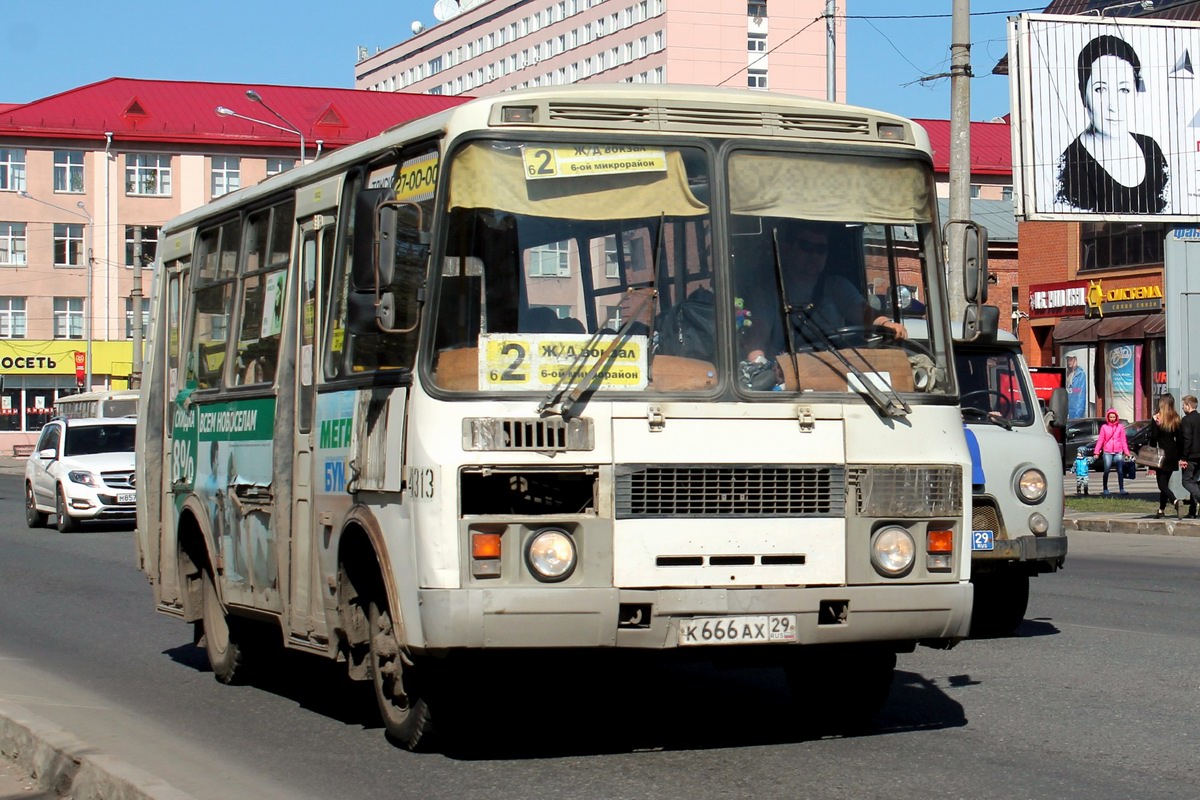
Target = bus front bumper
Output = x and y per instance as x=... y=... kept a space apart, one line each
x=1049 y=550
x=534 y=617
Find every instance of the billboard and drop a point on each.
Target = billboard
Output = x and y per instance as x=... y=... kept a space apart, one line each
x=1106 y=118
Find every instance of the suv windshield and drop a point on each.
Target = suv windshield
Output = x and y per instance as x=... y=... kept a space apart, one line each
x=93 y=439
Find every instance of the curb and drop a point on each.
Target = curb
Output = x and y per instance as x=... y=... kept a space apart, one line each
x=1134 y=524
x=61 y=764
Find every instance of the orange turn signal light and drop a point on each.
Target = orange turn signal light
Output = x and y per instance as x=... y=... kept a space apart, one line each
x=485 y=545
x=940 y=542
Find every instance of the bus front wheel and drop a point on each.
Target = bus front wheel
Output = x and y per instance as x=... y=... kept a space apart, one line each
x=402 y=703
x=1001 y=600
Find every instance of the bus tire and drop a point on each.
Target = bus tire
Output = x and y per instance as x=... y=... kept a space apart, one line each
x=403 y=705
x=1001 y=600
x=841 y=689
x=33 y=517
x=66 y=523
x=225 y=652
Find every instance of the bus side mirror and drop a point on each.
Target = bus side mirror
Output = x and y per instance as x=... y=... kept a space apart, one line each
x=1057 y=408
x=981 y=323
x=362 y=273
x=975 y=269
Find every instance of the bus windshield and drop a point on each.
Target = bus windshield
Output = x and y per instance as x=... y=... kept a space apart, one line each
x=595 y=265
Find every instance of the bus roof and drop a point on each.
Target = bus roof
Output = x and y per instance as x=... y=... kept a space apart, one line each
x=618 y=108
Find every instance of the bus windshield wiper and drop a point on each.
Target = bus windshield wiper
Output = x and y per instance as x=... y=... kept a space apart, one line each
x=884 y=397
x=574 y=389
x=887 y=401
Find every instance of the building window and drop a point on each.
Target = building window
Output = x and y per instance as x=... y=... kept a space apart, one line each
x=149 y=244
x=975 y=189
x=129 y=317
x=1006 y=193
x=1107 y=245
x=278 y=165
x=12 y=244
x=756 y=9
x=147 y=174
x=226 y=175
x=68 y=171
x=12 y=169
x=756 y=78
x=612 y=268
x=12 y=318
x=756 y=42
x=68 y=318
x=550 y=260
x=68 y=245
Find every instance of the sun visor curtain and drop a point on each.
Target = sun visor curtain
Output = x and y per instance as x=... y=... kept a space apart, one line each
x=1133 y=326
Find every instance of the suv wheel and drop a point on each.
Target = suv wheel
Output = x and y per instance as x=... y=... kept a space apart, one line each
x=66 y=523
x=33 y=517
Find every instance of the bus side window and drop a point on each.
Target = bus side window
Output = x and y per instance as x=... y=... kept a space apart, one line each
x=262 y=294
x=213 y=302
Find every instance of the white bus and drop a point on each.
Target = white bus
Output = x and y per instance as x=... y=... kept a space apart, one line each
x=483 y=382
x=107 y=403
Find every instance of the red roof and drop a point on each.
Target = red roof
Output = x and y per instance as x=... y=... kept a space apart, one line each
x=991 y=146
x=185 y=112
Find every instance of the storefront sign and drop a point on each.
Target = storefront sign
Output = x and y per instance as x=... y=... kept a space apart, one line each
x=1067 y=298
x=1123 y=300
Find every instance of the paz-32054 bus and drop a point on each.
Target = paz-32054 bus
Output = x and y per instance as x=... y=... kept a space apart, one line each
x=485 y=382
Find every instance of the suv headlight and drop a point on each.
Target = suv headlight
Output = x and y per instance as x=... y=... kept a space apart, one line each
x=82 y=476
x=1031 y=485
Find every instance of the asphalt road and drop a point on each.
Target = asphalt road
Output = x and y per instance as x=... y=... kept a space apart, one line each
x=1097 y=696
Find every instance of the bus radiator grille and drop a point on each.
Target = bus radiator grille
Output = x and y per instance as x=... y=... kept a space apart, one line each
x=725 y=490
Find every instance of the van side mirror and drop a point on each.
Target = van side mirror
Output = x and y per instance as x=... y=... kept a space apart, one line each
x=1057 y=408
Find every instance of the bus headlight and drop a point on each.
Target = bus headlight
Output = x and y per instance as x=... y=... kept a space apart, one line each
x=1031 y=485
x=551 y=555
x=893 y=551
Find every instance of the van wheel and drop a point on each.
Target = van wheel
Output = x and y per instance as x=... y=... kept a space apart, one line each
x=225 y=652
x=33 y=517
x=1000 y=604
x=403 y=704
x=66 y=523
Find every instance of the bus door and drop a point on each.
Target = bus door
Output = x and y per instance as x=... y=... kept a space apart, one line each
x=178 y=458
x=305 y=603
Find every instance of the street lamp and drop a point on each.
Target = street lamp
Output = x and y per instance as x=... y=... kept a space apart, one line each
x=89 y=321
x=287 y=126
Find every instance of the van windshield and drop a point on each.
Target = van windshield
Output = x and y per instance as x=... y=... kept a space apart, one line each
x=992 y=386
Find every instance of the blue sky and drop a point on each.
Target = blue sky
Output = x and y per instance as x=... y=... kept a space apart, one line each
x=52 y=47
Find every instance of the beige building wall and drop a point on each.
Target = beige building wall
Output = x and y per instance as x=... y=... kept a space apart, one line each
x=501 y=45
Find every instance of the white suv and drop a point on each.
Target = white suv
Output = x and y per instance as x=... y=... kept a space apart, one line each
x=82 y=469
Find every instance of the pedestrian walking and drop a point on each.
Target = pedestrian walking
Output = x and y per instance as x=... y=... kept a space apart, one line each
x=1164 y=434
x=1114 y=447
x=1189 y=457
x=1083 y=471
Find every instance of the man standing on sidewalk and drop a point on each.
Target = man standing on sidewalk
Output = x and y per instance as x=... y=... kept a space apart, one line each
x=1189 y=455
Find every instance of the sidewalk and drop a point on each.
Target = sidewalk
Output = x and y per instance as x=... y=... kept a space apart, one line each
x=1143 y=487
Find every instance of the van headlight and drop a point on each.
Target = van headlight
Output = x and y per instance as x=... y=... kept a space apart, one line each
x=1031 y=485
x=893 y=551
x=550 y=555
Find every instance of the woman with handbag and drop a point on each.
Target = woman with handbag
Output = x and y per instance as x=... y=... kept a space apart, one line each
x=1164 y=434
x=1114 y=446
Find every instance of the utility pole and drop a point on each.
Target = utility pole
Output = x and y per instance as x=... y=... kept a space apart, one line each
x=135 y=297
x=960 y=153
x=830 y=53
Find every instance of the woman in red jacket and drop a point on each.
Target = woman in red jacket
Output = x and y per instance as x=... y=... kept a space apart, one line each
x=1115 y=448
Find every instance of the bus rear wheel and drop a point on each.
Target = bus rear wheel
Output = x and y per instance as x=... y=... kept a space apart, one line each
x=225 y=652
x=398 y=689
